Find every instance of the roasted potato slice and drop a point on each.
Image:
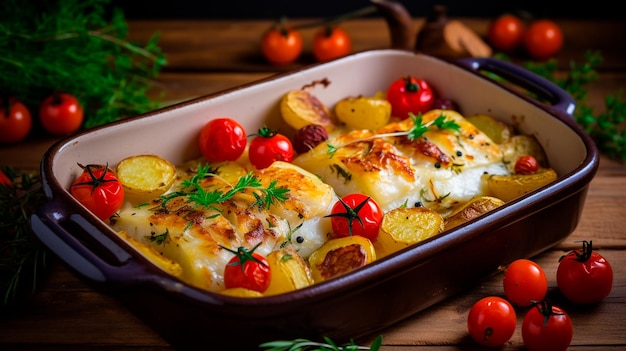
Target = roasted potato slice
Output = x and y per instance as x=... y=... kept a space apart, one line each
x=241 y=292
x=405 y=226
x=472 y=209
x=339 y=256
x=300 y=108
x=363 y=112
x=496 y=130
x=289 y=272
x=145 y=177
x=153 y=255
x=509 y=187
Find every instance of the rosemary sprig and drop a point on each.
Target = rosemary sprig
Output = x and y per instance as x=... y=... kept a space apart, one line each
x=308 y=345
x=23 y=258
x=416 y=131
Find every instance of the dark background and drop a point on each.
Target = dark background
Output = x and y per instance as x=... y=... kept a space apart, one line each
x=274 y=9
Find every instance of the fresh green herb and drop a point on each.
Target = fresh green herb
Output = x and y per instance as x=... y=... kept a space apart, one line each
x=308 y=345
x=23 y=258
x=76 y=46
x=347 y=176
x=160 y=238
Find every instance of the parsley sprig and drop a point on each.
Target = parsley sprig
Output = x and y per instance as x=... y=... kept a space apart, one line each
x=265 y=197
x=308 y=345
x=416 y=131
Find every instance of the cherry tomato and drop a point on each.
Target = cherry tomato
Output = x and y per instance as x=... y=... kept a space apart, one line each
x=491 y=321
x=584 y=276
x=247 y=269
x=356 y=214
x=547 y=328
x=222 y=139
x=61 y=114
x=526 y=164
x=506 y=33
x=5 y=180
x=268 y=146
x=99 y=190
x=15 y=120
x=330 y=43
x=282 y=45
x=409 y=94
x=542 y=39
x=525 y=282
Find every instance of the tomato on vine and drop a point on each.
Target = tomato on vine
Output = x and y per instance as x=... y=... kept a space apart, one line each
x=506 y=33
x=330 y=43
x=491 y=321
x=409 y=95
x=268 y=146
x=247 y=269
x=543 y=39
x=356 y=214
x=525 y=282
x=15 y=120
x=547 y=328
x=282 y=45
x=584 y=276
x=61 y=114
x=99 y=190
x=222 y=139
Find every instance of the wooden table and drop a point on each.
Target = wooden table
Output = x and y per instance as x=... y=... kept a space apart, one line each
x=208 y=56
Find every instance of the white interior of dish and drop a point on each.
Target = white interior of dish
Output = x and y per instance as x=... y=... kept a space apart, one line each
x=172 y=133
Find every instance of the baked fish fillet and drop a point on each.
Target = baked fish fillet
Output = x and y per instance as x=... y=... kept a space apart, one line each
x=191 y=235
x=438 y=170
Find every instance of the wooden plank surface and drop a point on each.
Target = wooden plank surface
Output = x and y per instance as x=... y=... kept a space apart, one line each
x=208 y=56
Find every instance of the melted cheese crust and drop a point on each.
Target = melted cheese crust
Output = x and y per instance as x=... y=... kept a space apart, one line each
x=438 y=170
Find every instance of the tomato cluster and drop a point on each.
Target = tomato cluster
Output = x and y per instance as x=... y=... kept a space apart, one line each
x=60 y=114
x=541 y=39
x=583 y=276
x=282 y=44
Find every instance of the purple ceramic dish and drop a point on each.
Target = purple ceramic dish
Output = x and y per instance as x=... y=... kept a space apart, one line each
x=357 y=305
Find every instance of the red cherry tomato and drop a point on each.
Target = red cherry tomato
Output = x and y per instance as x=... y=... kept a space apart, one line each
x=547 y=328
x=222 y=139
x=268 y=146
x=409 y=94
x=15 y=121
x=506 y=33
x=330 y=43
x=526 y=164
x=543 y=39
x=61 y=114
x=248 y=270
x=356 y=214
x=99 y=190
x=525 y=282
x=282 y=45
x=491 y=321
x=584 y=276
x=5 y=180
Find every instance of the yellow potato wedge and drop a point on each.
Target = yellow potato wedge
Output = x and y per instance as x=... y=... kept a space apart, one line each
x=241 y=292
x=339 y=256
x=145 y=177
x=405 y=226
x=509 y=187
x=472 y=209
x=300 y=108
x=363 y=112
x=289 y=272
x=496 y=130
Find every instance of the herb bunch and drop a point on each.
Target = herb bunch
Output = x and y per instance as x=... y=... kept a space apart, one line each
x=308 y=345
x=606 y=128
x=23 y=258
x=79 y=47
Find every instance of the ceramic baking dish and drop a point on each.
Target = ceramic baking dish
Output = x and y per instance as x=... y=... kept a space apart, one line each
x=356 y=305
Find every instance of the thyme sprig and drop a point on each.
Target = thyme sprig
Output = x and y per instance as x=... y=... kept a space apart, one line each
x=308 y=345
x=416 y=131
x=208 y=198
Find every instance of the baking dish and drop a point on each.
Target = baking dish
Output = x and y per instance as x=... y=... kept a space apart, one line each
x=356 y=305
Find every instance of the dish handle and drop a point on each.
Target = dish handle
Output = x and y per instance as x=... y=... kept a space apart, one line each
x=84 y=247
x=559 y=99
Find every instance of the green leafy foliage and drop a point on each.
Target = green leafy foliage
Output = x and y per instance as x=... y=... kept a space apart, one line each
x=79 y=47
x=327 y=345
